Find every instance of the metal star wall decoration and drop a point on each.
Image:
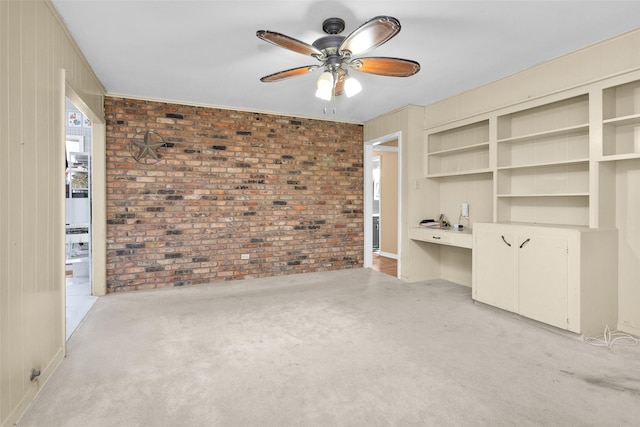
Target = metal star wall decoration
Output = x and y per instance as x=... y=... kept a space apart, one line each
x=147 y=148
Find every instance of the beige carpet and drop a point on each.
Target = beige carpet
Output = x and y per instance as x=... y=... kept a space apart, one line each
x=345 y=348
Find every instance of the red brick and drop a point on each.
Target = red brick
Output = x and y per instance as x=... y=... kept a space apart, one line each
x=207 y=203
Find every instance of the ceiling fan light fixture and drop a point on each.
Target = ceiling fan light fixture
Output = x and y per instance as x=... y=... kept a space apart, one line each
x=325 y=86
x=325 y=80
x=352 y=87
x=336 y=55
x=324 y=94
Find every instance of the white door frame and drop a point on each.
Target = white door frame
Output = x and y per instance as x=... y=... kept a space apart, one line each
x=368 y=196
x=98 y=193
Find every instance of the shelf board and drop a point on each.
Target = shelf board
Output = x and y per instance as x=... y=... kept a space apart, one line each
x=570 y=130
x=546 y=225
x=615 y=157
x=460 y=173
x=543 y=195
x=540 y=165
x=623 y=121
x=473 y=147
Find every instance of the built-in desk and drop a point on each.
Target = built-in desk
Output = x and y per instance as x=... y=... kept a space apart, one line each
x=442 y=236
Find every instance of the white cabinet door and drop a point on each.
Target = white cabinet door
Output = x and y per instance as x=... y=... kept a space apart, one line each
x=543 y=278
x=524 y=270
x=494 y=269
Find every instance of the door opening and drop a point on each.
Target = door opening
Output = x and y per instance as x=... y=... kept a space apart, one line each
x=375 y=207
x=382 y=207
x=79 y=298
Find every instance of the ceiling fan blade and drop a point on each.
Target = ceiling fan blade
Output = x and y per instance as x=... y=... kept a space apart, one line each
x=288 y=43
x=393 y=67
x=294 y=72
x=371 y=34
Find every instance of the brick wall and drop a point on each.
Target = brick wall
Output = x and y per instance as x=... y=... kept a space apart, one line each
x=286 y=191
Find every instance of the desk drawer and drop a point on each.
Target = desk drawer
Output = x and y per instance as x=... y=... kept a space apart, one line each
x=428 y=235
x=442 y=237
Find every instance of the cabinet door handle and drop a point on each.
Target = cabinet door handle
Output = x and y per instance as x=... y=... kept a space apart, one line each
x=436 y=237
x=505 y=241
x=524 y=243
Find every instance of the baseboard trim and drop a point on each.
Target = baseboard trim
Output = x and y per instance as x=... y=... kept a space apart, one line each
x=33 y=390
x=629 y=329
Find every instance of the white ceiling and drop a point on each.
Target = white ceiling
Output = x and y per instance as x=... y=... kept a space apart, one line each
x=207 y=53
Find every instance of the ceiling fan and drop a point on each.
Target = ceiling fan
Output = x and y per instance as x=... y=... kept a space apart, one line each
x=337 y=55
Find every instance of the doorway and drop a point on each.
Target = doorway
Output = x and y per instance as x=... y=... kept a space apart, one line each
x=78 y=144
x=382 y=210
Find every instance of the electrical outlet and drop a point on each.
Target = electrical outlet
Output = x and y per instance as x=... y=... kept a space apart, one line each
x=465 y=210
x=244 y=256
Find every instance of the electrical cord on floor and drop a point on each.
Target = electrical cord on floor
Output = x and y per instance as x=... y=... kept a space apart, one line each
x=609 y=338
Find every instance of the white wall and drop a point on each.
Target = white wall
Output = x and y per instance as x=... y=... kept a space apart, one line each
x=37 y=60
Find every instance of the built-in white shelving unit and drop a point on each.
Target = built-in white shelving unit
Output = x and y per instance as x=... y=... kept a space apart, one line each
x=543 y=163
x=538 y=158
x=551 y=164
x=621 y=122
x=462 y=150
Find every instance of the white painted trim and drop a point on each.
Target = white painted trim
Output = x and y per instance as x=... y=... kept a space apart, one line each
x=368 y=196
x=386 y=148
x=388 y=255
x=400 y=176
x=60 y=228
x=98 y=210
x=368 y=205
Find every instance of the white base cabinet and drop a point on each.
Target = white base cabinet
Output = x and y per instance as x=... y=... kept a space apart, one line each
x=562 y=276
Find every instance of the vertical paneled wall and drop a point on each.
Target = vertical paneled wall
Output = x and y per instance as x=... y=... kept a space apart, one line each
x=627 y=208
x=35 y=56
x=235 y=195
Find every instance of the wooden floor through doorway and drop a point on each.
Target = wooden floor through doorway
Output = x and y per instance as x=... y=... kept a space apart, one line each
x=385 y=265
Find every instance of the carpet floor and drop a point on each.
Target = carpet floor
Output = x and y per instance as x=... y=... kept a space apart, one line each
x=344 y=348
